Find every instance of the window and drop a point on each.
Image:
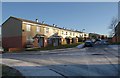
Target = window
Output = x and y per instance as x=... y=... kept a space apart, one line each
x=57 y=32
x=66 y=33
x=62 y=32
x=28 y=27
x=70 y=33
x=73 y=34
x=38 y=29
x=80 y=35
x=53 y=30
x=47 y=30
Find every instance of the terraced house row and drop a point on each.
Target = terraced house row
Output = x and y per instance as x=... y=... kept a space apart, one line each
x=18 y=33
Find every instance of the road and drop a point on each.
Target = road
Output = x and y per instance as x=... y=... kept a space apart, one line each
x=86 y=62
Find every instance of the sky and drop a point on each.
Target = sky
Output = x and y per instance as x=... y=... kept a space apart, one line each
x=119 y=11
x=94 y=17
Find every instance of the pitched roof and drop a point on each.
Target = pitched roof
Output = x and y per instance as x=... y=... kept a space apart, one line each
x=42 y=24
x=25 y=20
x=31 y=21
x=38 y=35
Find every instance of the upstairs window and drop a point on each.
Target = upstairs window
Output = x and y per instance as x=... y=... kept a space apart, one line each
x=73 y=34
x=62 y=32
x=47 y=30
x=80 y=35
x=38 y=29
x=66 y=33
x=28 y=27
x=57 y=31
x=54 y=31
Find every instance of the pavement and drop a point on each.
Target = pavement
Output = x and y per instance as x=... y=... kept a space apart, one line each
x=26 y=67
x=89 y=61
x=115 y=47
x=45 y=52
x=29 y=69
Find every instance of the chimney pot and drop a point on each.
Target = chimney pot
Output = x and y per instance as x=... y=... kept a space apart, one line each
x=42 y=22
x=36 y=20
x=55 y=25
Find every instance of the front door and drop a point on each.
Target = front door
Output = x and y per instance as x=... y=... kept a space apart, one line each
x=56 y=41
x=68 y=40
x=41 y=40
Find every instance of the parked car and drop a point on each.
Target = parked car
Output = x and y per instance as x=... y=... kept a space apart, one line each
x=104 y=42
x=101 y=42
x=98 y=42
x=88 y=43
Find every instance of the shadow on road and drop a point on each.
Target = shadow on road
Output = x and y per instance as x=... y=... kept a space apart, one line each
x=69 y=71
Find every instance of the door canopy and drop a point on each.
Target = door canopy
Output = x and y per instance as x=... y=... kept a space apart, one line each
x=38 y=36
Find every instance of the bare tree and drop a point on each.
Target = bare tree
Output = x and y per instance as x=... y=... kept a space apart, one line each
x=112 y=26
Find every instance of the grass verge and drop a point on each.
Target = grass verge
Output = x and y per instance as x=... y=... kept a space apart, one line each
x=55 y=47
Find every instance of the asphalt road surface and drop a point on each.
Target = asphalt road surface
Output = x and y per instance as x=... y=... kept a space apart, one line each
x=87 y=62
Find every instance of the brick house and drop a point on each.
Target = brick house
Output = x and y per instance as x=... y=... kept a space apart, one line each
x=116 y=37
x=19 y=33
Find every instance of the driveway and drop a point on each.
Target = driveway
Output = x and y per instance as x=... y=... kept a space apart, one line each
x=95 y=61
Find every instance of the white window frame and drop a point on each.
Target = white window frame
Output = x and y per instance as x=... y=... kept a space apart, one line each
x=28 y=27
x=38 y=29
x=47 y=30
x=73 y=34
x=66 y=33
x=62 y=32
x=54 y=31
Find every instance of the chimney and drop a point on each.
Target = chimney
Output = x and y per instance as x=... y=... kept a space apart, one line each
x=42 y=22
x=36 y=20
x=53 y=24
